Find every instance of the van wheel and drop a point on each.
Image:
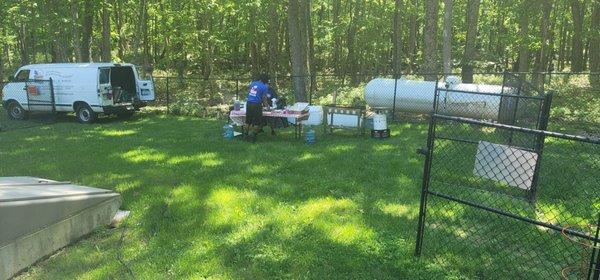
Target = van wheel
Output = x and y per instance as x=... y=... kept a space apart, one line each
x=85 y=114
x=16 y=112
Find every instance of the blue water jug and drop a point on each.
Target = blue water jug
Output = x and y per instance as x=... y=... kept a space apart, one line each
x=228 y=131
x=310 y=136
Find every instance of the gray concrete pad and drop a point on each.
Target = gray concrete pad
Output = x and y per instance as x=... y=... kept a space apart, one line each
x=40 y=216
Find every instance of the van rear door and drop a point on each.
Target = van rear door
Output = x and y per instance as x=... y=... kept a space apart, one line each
x=146 y=90
x=104 y=87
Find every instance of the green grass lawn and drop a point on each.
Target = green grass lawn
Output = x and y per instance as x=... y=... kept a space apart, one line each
x=205 y=207
x=346 y=207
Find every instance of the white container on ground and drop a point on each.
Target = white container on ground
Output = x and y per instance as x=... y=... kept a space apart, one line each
x=315 y=117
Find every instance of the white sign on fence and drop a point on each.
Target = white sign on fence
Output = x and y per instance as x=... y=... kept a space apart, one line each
x=505 y=164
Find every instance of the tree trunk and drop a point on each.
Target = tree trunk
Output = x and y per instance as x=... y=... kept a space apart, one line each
x=1 y=57
x=87 y=28
x=412 y=35
x=562 y=45
x=351 y=61
x=119 y=27
x=75 y=30
x=523 y=65
x=430 y=50
x=595 y=46
x=500 y=44
x=297 y=50
x=577 y=12
x=397 y=38
x=306 y=5
x=447 y=47
x=106 y=48
x=544 y=36
x=471 y=41
x=140 y=33
x=337 y=41
x=273 y=37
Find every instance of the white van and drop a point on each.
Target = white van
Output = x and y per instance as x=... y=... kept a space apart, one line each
x=88 y=89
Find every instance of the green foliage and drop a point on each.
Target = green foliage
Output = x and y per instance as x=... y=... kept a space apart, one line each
x=217 y=37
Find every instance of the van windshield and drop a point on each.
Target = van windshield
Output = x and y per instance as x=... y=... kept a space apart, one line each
x=22 y=76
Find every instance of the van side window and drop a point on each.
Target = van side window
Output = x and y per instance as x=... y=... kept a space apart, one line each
x=104 y=76
x=23 y=76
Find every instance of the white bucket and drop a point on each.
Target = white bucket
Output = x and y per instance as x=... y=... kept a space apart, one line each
x=315 y=117
x=379 y=122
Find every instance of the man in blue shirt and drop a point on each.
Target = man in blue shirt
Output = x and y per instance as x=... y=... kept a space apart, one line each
x=254 y=102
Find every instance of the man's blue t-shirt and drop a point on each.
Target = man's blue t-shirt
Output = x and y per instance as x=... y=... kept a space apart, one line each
x=256 y=91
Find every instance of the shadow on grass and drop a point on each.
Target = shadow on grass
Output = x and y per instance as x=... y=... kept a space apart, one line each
x=203 y=206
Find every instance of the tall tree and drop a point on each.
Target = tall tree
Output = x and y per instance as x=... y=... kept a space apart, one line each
x=523 y=62
x=412 y=33
x=447 y=44
x=306 y=6
x=397 y=37
x=471 y=41
x=22 y=36
x=297 y=49
x=273 y=37
x=106 y=40
x=577 y=11
x=337 y=41
x=87 y=29
x=1 y=51
x=595 y=45
x=430 y=49
x=75 y=29
x=542 y=58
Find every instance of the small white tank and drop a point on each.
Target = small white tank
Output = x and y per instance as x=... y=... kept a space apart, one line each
x=379 y=122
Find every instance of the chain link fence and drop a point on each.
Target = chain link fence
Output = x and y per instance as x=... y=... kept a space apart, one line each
x=27 y=104
x=576 y=110
x=517 y=209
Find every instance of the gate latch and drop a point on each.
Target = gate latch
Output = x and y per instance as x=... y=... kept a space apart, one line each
x=423 y=151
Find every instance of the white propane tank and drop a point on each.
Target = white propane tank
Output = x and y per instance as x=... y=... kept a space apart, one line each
x=418 y=97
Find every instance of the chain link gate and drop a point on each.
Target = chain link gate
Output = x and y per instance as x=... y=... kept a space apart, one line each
x=35 y=97
x=515 y=200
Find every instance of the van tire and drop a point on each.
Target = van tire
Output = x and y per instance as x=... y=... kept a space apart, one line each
x=85 y=114
x=15 y=111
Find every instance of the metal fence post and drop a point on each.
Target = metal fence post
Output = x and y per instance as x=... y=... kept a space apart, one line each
x=594 y=269
x=394 y=101
x=310 y=90
x=237 y=88
x=52 y=100
x=168 y=96
x=428 y=153
x=539 y=147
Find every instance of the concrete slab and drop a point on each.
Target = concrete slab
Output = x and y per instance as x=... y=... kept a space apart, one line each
x=39 y=216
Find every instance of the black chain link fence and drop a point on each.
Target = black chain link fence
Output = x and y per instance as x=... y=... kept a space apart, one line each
x=518 y=209
x=27 y=104
x=576 y=102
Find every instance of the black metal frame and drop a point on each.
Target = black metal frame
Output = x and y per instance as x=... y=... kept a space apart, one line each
x=539 y=133
x=37 y=102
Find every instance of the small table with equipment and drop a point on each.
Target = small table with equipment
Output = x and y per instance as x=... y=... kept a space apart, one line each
x=239 y=118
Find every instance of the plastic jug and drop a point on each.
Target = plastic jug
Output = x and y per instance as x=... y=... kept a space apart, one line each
x=310 y=136
x=228 y=131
